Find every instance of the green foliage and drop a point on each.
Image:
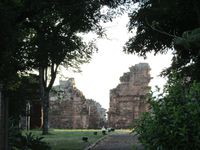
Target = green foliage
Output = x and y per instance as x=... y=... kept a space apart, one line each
x=168 y=24
x=13 y=133
x=163 y=15
x=21 y=91
x=186 y=58
x=49 y=37
x=27 y=141
x=10 y=62
x=31 y=142
x=174 y=120
x=21 y=20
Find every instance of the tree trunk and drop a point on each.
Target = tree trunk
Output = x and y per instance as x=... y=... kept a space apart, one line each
x=45 y=107
x=44 y=96
x=3 y=121
x=44 y=91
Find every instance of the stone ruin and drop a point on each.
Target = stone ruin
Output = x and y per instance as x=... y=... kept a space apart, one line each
x=70 y=109
x=129 y=99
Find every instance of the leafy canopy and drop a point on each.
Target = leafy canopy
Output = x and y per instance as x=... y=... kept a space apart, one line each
x=170 y=16
x=168 y=24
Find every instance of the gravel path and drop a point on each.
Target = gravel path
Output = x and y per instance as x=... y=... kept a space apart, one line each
x=118 y=141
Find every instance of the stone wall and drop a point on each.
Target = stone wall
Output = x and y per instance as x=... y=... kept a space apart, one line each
x=128 y=99
x=96 y=114
x=70 y=109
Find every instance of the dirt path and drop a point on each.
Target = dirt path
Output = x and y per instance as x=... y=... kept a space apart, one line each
x=119 y=141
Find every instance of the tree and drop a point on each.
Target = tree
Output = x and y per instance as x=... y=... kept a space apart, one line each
x=15 y=17
x=10 y=62
x=51 y=39
x=164 y=16
x=173 y=122
x=10 y=58
x=159 y=23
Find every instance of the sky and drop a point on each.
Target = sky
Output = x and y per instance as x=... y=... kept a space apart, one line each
x=102 y=73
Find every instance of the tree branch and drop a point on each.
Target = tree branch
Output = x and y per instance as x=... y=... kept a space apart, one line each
x=160 y=31
x=53 y=75
x=42 y=84
x=45 y=77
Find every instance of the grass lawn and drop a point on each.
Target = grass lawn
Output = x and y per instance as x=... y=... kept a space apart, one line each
x=66 y=139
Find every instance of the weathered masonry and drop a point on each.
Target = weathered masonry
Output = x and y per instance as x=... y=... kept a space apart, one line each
x=129 y=99
x=70 y=109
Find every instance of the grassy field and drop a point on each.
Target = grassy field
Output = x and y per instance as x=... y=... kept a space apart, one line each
x=69 y=139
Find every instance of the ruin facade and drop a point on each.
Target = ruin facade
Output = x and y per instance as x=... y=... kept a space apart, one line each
x=129 y=99
x=70 y=109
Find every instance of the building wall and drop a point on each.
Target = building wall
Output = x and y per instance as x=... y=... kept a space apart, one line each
x=128 y=99
x=70 y=109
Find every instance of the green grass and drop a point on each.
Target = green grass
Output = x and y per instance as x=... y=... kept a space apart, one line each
x=65 y=139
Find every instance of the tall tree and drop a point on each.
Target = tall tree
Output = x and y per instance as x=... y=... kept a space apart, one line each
x=20 y=19
x=160 y=24
x=51 y=39
x=157 y=20
x=10 y=62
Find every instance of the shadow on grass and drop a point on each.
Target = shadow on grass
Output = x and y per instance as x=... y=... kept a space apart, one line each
x=61 y=139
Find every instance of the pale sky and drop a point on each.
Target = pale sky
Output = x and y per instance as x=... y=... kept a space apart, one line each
x=106 y=66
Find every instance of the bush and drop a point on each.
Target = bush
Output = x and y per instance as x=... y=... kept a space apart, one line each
x=18 y=141
x=104 y=132
x=13 y=133
x=31 y=142
x=174 y=120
